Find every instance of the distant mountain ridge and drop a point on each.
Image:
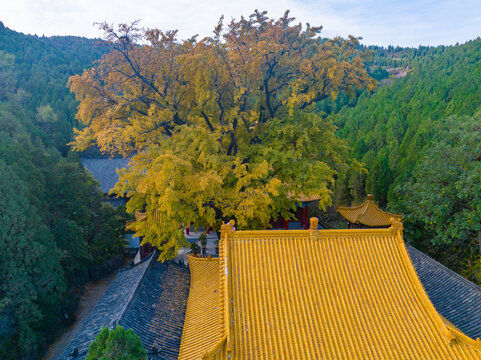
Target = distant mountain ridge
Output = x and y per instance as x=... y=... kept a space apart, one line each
x=42 y=66
x=389 y=129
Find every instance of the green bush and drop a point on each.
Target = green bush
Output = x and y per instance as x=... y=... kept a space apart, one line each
x=203 y=239
x=194 y=247
x=116 y=344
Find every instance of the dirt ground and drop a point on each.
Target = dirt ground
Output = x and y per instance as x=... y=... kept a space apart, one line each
x=92 y=293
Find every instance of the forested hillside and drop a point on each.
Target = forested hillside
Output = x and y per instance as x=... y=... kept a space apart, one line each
x=398 y=133
x=54 y=225
x=39 y=70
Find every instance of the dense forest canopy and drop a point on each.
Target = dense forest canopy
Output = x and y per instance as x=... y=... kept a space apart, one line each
x=54 y=225
x=443 y=197
x=41 y=67
x=398 y=133
x=221 y=128
x=389 y=129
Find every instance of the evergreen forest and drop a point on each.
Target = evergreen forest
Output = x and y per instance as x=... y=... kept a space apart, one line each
x=55 y=227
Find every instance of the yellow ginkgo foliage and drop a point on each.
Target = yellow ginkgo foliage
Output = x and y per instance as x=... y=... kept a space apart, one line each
x=221 y=128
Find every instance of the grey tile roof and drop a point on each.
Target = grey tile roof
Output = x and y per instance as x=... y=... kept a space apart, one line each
x=104 y=169
x=109 y=309
x=158 y=310
x=133 y=242
x=454 y=297
x=151 y=299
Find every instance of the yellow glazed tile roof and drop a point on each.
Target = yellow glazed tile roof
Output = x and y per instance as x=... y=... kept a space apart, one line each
x=304 y=198
x=329 y=294
x=202 y=326
x=368 y=213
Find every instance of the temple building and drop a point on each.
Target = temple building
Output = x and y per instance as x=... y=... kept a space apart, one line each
x=297 y=294
x=310 y=294
x=366 y=215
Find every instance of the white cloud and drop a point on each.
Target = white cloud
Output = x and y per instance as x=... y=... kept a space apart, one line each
x=402 y=22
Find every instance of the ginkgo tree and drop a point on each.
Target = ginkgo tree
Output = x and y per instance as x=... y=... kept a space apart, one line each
x=220 y=128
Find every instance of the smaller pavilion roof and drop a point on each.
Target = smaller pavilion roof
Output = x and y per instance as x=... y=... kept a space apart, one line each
x=368 y=213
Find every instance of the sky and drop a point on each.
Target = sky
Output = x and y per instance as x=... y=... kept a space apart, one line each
x=378 y=22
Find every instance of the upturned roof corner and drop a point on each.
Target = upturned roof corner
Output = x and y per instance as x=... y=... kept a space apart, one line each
x=396 y=226
x=368 y=214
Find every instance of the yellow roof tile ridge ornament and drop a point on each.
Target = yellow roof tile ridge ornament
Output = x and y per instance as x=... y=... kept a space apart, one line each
x=396 y=227
x=313 y=229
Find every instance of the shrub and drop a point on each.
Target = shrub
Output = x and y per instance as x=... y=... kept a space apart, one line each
x=116 y=344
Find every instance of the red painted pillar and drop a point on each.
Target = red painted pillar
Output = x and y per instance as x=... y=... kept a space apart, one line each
x=302 y=216
x=187 y=229
x=287 y=224
x=208 y=230
x=306 y=217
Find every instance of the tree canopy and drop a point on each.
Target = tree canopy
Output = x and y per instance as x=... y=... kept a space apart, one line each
x=220 y=128
x=390 y=129
x=116 y=344
x=443 y=198
x=54 y=224
x=26 y=291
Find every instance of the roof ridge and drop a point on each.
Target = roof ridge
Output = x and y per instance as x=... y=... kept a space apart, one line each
x=369 y=204
x=322 y=232
x=132 y=297
x=147 y=258
x=353 y=207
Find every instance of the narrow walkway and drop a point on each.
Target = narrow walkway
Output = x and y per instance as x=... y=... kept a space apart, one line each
x=93 y=292
x=212 y=243
x=108 y=310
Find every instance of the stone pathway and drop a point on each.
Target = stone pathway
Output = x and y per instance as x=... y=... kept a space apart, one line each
x=92 y=293
x=194 y=237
